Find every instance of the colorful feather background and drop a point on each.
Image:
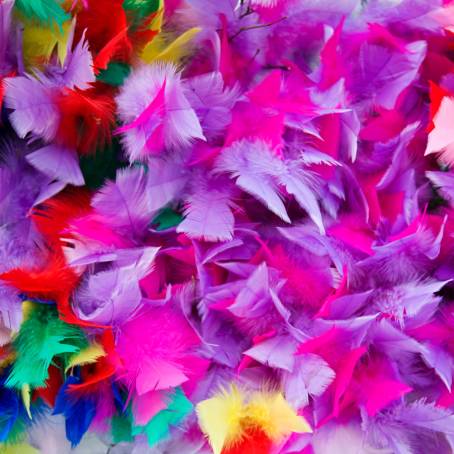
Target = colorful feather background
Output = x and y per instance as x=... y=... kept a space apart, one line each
x=226 y=226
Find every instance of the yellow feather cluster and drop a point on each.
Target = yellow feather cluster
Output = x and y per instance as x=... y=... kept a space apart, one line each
x=88 y=355
x=159 y=49
x=40 y=42
x=227 y=416
x=22 y=448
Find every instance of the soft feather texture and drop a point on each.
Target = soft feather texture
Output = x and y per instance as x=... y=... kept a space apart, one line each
x=248 y=196
x=46 y=11
x=41 y=338
x=228 y=418
x=156 y=112
x=157 y=350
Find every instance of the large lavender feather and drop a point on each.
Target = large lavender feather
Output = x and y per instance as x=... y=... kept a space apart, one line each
x=34 y=110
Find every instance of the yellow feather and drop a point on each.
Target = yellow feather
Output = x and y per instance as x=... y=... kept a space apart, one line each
x=272 y=413
x=39 y=42
x=156 y=23
x=220 y=418
x=87 y=356
x=226 y=417
x=26 y=397
x=157 y=49
x=27 y=308
x=22 y=448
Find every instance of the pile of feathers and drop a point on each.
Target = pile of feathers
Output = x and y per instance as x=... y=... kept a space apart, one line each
x=226 y=226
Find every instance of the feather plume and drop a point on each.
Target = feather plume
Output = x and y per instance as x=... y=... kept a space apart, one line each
x=86 y=119
x=158 y=50
x=208 y=215
x=230 y=416
x=157 y=348
x=34 y=107
x=124 y=203
x=153 y=105
x=41 y=338
x=48 y=12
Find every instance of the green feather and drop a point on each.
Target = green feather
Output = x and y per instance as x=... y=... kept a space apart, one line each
x=159 y=426
x=115 y=74
x=45 y=11
x=41 y=338
x=166 y=219
x=121 y=429
x=138 y=10
x=102 y=165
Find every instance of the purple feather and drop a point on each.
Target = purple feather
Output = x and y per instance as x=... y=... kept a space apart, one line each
x=57 y=163
x=33 y=108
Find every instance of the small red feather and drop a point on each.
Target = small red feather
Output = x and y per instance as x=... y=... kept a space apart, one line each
x=253 y=442
x=86 y=119
x=52 y=217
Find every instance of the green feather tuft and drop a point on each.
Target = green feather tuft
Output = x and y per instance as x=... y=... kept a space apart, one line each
x=139 y=10
x=166 y=219
x=159 y=426
x=115 y=74
x=41 y=338
x=121 y=429
x=47 y=12
x=102 y=165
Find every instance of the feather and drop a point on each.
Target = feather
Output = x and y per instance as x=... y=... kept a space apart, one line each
x=425 y=415
x=101 y=22
x=208 y=215
x=86 y=119
x=78 y=67
x=212 y=102
x=311 y=376
x=6 y=9
x=34 y=107
x=113 y=296
x=46 y=11
x=115 y=74
x=146 y=406
x=152 y=360
x=253 y=165
x=220 y=418
x=106 y=54
x=230 y=415
x=444 y=181
x=78 y=411
x=141 y=9
x=39 y=43
x=158 y=50
x=42 y=336
x=124 y=203
x=301 y=184
x=276 y=352
x=165 y=182
x=159 y=426
x=254 y=441
x=88 y=355
x=439 y=140
x=54 y=281
x=53 y=216
x=153 y=105
x=57 y=163
x=384 y=73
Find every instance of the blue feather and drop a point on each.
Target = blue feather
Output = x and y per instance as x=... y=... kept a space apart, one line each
x=78 y=411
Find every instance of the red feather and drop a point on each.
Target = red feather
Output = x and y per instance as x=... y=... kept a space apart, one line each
x=55 y=281
x=253 y=442
x=52 y=217
x=86 y=119
x=106 y=54
x=102 y=21
x=53 y=384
